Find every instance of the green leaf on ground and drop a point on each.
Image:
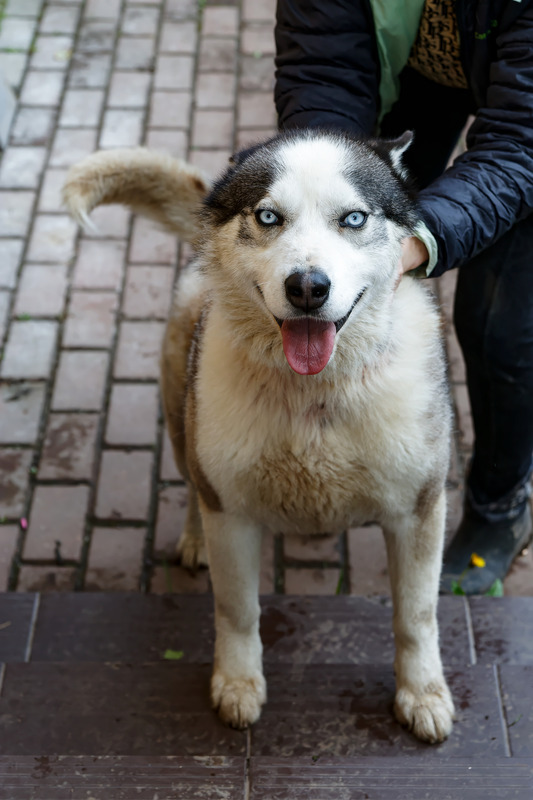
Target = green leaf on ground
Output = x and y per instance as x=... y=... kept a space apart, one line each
x=496 y=590
x=173 y=655
x=457 y=588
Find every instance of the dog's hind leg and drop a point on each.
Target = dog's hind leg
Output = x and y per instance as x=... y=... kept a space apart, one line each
x=414 y=547
x=191 y=545
x=176 y=344
x=238 y=688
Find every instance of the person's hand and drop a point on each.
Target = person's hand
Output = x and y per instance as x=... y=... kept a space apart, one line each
x=414 y=254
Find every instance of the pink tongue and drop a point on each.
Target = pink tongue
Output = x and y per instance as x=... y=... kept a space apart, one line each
x=308 y=344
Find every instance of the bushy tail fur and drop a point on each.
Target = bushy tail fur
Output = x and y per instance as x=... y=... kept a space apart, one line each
x=158 y=186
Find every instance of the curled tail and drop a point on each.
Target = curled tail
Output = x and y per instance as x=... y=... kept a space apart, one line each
x=158 y=186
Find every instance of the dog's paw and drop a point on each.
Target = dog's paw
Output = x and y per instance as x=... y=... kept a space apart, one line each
x=192 y=551
x=429 y=714
x=238 y=700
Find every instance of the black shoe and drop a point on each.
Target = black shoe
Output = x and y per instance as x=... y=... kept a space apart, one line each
x=497 y=543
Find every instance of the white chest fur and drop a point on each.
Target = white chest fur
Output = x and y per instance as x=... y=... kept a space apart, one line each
x=308 y=453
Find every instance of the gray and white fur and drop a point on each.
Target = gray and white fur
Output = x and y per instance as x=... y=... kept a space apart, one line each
x=303 y=383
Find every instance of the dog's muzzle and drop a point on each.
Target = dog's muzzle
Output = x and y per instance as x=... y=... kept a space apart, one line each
x=340 y=322
x=308 y=342
x=307 y=291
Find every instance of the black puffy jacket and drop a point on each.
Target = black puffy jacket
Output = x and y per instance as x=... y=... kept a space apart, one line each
x=328 y=75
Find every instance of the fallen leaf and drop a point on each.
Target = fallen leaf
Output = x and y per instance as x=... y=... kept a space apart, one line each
x=173 y=655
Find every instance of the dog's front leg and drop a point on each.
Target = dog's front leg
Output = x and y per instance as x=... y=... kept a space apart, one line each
x=238 y=688
x=414 y=547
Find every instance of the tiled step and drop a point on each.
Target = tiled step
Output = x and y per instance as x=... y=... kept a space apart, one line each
x=317 y=778
x=349 y=630
x=121 y=778
x=86 y=673
x=390 y=779
x=163 y=709
x=133 y=627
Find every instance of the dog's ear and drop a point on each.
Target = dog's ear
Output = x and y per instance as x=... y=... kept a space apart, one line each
x=397 y=148
x=393 y=149
x=240 y=156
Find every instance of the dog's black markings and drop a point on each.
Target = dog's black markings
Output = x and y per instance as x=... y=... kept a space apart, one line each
x=201 y=483
x=383 y=186
x=341 y=322
x=242 y=186
x=245 y=235
x=428 y=496
x=338 y=324
x=254 y=170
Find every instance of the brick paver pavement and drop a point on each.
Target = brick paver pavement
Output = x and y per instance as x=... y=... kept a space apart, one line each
x=89 y=495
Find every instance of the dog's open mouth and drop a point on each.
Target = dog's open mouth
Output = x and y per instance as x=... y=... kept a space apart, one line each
x=308 y=342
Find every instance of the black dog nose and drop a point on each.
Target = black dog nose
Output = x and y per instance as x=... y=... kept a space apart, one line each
x=307 y=290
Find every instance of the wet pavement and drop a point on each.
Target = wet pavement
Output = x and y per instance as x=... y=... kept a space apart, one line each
x=91 y=501
x=92 y=705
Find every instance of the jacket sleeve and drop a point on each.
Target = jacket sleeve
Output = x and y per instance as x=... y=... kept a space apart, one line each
x=327 y=65
x=490 y=187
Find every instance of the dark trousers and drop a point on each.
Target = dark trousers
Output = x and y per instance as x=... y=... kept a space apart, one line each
x=493 y=309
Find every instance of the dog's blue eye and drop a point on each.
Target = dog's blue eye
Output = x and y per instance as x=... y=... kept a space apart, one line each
x=267 y=217
x=355 y=219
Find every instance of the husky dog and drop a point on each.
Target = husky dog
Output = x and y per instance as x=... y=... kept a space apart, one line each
x=303 y=384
